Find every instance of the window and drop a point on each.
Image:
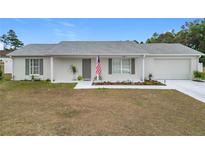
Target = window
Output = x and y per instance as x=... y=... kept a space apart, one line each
x=116 y=65
x=34 y=66
x=121 y=66
x=126 y=66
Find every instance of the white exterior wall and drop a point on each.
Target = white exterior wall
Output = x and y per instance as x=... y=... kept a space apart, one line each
x=8 y=65
x=19 y=68
x=200 y=67
x=194 y=64
x=62 y=72
x=151 y=68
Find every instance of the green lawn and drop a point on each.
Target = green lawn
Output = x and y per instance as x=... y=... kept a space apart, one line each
x=42 y=108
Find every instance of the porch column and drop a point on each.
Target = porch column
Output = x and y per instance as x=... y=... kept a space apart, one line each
x=143 y=68
x=51 y=71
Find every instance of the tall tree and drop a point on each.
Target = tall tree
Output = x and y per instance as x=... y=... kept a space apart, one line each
x=4 y=40
x=11 y=41
x=192 y=34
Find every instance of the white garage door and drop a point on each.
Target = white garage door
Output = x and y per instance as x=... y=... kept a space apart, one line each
x=172 y=69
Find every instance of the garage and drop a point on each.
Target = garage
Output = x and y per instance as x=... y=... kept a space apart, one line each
x=172 y=68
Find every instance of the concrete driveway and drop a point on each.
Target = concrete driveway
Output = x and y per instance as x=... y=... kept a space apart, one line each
x=191 y=88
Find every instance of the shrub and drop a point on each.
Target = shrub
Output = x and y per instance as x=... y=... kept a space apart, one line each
x=152 y=82
x=199 y=75
x=7 y=77
x=80 y=78
x=32 y=77
x=48 y=80
x=150 y=76
x=1 y=74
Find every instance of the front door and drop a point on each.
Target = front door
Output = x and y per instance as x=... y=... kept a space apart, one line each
x=86 y=69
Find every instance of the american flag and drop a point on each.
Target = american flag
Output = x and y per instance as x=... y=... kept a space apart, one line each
x=98 y=68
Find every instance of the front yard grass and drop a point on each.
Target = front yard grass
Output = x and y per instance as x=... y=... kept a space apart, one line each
x=42 y=108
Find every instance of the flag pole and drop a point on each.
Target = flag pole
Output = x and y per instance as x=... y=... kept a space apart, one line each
x=98 y=68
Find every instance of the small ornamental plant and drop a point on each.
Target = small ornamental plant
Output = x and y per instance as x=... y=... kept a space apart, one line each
x=74 y=71
x=100 y=78
x=80 y=78
x=32 y=77
x=150 y=76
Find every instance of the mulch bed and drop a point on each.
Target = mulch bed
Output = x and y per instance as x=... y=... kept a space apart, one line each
x=146 y=82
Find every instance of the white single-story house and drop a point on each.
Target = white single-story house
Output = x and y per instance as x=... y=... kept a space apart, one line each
x=8 y=65
x=120 y=61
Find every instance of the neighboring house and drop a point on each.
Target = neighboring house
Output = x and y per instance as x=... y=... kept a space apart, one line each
x=8 y=62
x=3 y=53
x=120 y=61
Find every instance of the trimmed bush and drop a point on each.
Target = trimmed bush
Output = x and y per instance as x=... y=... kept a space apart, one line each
x=199 y=75
x=1 y=74
x=80 y=78
x=48 y=80
x=7 y=77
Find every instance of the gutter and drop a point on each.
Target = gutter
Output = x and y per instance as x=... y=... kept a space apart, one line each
x=49 y=55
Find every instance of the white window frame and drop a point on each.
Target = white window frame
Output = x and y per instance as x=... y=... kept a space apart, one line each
x=32 y=67
x=121 y=59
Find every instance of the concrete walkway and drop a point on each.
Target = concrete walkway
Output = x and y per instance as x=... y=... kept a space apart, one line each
x=88 y=85
x=84 y=85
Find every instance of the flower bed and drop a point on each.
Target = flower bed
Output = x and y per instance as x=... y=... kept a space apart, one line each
x=146 y=82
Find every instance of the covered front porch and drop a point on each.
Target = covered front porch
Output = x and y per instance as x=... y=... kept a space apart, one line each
x=114 y=68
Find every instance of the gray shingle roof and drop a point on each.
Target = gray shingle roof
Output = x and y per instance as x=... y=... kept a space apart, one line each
x=33 y=50
x=168 y=48
x=102 y=48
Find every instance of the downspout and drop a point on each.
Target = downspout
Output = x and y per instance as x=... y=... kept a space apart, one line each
x=143 y=68
x=51 y=69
